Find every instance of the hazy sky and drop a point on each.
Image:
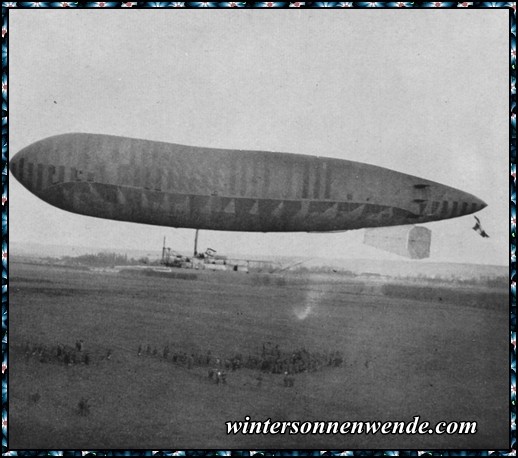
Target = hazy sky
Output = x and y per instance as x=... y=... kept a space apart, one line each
x=423 y=92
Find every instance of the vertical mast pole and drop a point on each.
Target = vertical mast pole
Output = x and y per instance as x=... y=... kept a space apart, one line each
x=163 y=252
x=196 y=243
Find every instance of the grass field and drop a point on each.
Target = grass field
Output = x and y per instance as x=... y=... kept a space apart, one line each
x=441 y=356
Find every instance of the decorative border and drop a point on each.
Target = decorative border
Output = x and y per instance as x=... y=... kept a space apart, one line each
x=6 y=6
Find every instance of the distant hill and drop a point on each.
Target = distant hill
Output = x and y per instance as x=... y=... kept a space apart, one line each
x=415 y=268
x=56 y=251
x=393 y=268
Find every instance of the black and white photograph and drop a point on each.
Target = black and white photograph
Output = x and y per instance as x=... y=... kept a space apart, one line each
x=258 y=229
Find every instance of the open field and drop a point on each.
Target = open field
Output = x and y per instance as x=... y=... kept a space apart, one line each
x=439 y=354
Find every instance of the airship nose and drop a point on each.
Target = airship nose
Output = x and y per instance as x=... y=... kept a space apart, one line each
x=444 y=201
x=37 y=165
x=464 y=203
x=479 y=204
x=22 y=167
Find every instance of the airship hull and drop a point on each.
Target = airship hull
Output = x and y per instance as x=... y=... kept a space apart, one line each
x=206 y=188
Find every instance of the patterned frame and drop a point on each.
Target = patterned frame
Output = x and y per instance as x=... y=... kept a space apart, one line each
x=511 y=6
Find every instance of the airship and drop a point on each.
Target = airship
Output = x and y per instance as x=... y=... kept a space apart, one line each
x=181 y=186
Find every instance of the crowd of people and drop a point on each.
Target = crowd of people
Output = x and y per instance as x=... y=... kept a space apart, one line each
x=269 y=359
x=61 y=354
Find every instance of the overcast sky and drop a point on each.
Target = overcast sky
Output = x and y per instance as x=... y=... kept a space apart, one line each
x=423 y=92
